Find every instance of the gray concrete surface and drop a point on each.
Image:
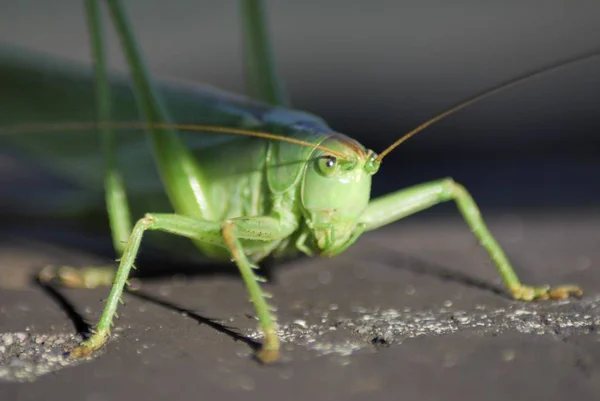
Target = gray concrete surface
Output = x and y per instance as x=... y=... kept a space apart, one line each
x=413 y=311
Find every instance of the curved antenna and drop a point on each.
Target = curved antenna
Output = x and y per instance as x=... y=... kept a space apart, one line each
x=505 y=85
x=217 y=129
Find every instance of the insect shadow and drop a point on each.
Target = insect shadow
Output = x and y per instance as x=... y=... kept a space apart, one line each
x=212 y=323
x=84 y=328
x=421 y=267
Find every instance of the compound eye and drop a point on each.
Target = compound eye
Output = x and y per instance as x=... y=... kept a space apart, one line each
x=327 y=165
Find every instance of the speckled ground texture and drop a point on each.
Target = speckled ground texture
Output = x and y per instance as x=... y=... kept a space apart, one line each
x=414 y=310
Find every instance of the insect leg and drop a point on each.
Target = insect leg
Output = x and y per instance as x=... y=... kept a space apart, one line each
x=395 y=206
x=262 y=80
x=114 y=188
x=232 y=231
x=230 y=234
x=179 y=169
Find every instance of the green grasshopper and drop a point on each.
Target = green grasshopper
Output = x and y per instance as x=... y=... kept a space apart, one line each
x=280 y=182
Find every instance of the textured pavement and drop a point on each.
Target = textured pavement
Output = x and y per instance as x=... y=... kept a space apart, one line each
x=413 y=311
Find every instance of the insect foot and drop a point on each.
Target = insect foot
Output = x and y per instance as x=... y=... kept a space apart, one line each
x=75 y=277
x=86 y=348
x=269 y=352
x=527 y=293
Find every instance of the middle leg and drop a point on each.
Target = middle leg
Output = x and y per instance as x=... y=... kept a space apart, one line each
x=229 y=234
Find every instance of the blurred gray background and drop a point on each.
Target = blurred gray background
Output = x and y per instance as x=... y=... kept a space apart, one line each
x=376 y=69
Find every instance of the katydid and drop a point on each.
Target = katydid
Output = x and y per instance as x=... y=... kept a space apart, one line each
x=279 y=183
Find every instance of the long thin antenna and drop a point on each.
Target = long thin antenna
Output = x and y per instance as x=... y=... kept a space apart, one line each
x=505 y=85
x=84 y=126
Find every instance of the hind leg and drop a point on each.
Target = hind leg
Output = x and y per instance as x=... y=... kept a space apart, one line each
x=262 y=80
x=114 y=187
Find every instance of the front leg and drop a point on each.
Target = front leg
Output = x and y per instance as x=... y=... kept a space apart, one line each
x=395 y=206
x=229 y=234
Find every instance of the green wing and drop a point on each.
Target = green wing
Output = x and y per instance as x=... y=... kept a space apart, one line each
x=37 y=88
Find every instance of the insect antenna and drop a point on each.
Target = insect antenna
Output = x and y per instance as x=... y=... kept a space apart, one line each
x=217 y=129
x=500 y=87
